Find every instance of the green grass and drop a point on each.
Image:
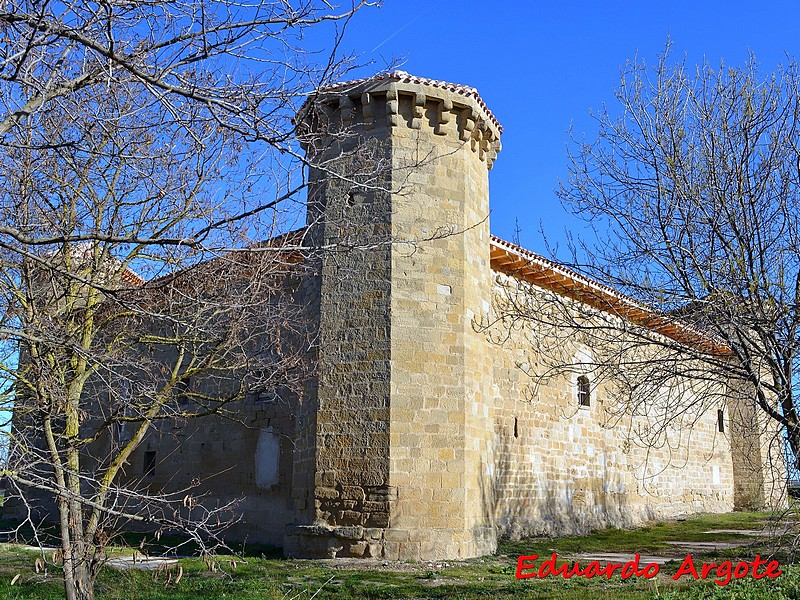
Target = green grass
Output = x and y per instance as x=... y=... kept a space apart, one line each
x=652 y=539
x=267 y=577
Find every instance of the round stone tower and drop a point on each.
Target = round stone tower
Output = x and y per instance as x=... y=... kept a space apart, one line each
x=394 y=437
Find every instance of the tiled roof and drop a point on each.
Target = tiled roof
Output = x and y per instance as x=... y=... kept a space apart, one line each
x=83 y=252
x=131 y=277
x=526 y=265
x=403 y=77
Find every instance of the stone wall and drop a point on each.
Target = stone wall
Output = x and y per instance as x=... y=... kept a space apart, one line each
x=440 y=407
x=403 y=419
x=758 y=456
x=434 y=431
x=346 y=505
x=562 y=468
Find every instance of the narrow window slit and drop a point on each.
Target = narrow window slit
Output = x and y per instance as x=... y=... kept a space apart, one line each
x=149 y=463
x=583 y=391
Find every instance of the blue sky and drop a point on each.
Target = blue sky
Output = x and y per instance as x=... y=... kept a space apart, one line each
x=542 y=66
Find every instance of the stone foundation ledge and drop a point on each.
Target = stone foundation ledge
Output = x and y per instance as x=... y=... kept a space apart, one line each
x=326 y=541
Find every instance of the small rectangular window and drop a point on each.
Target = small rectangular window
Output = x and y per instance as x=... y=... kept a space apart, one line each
x=149 y=463
x=583 y=391
x=721 y=421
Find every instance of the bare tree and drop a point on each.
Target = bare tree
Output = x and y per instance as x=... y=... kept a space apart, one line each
x=146 y=148
x=693 y=190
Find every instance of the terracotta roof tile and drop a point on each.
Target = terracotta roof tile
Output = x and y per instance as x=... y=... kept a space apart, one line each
x=544 y=273
x=132 y=278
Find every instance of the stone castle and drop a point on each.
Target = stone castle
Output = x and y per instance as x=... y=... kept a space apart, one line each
x=420 y=434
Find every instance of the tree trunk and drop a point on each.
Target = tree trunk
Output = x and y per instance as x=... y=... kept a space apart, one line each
x=78 y=579
x=793 y=436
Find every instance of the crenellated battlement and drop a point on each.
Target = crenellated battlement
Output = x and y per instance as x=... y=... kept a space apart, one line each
x=397 y=100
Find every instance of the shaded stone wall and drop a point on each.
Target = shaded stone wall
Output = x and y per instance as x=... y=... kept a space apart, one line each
x=757 y=452
x=246 y=456
x=350 y=220
x=216 y=460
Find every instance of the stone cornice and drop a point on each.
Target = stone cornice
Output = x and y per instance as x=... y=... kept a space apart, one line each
x=398 y=99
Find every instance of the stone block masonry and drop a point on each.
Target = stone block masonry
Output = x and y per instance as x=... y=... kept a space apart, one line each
x=398 y=447
x=418 y=433
x=428 y=442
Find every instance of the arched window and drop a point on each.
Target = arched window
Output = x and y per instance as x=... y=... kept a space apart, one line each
x=583 y=391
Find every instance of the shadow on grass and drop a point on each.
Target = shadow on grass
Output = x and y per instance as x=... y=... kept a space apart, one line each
x=147 y=543
x=265 y=575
